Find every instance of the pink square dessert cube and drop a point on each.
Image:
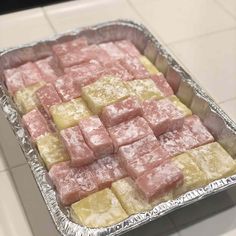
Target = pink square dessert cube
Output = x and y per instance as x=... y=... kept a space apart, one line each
x=86 y=54
x=73 y=184
x=35 y=124
x=49 y=68
x=162 y=115
x=96 y=136
x=31 y=73
x=63 y=48
x=14 y=80
x=67 y=88
x=162 y=84
x=117 y=70
x=130 y=152
x=102 y=174
x=129 y=131
x=112 y=50
x=147 y=161
x=112 y=163
x=127 y=47
x=135 y=67
x=78 y=150
x=200 y=132
x=121 y=111
x=48 y=96
x=160 y=180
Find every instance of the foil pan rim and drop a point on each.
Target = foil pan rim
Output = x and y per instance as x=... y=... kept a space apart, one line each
x=63 y=224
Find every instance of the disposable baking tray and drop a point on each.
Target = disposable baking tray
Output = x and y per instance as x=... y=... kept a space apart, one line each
x=189 y=92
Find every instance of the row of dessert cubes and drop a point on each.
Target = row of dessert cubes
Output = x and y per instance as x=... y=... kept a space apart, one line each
x=190 y=170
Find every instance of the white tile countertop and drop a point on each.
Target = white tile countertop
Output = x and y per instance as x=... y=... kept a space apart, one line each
x=200 y=34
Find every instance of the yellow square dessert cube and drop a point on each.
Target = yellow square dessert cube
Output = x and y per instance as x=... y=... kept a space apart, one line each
x=26 y=99
x=103 y=92
x=193 y=176
x=145 y=89
x=164 y=198
x=129 y=197
x=51 y=149
x=184 y=109
x=213 y=160
x=148 y=65
x=100 y=209
x=69 y=114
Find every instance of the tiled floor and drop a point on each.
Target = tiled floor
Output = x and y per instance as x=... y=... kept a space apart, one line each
x=201 y=35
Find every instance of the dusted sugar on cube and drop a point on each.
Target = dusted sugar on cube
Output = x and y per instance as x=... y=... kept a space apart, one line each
x=193 y=176
x=160 y=180
x=162 y=115
x=111 y=162
x=162 y=84
x=49 y=69
x=184 y=109
x=100 y=209
x=70 y=84
x=51 y=149
x=72 y=184
x=14 y=80
x=112 y=50
x=31 y=73
x=26 y=99
x=129 y=131
x=145 y=89
x=96 y=136
x=121 y=111
x=178 y=141
x=146 y=162
x=130 y=152
x=193 y=134
x=69 y=114
x=86 y=54
x=35 y=124
x=213 y=160
x=67 y=88
x=162 y=198
x=129 y=196
x=200 y=132
x=48 y=96
x=103 y=92
x=67 y=47
x=148 y=65
x=128 y=47
x=135 y=67
x=115 y=69
x=79 y=152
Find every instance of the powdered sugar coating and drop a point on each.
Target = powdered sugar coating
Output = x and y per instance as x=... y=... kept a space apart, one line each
x=128 y=47
x=35 y=124
x=121 y=111
x=113 y=51
x=48 y=96
x=143 y=163
x=129 y=131
x=67 y=47
x=134 y=67
x=160 y=180
x=96 y=136
x=130 y=152
x=78 y=150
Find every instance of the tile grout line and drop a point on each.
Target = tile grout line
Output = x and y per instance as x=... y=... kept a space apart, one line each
x=201 y=36
x=145 y=22
x=21 y=201
x=227 y=100
x=225 y=9
x=48 y=20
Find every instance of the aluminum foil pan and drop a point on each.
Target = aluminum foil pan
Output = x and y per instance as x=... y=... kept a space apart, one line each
x=189 y=92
